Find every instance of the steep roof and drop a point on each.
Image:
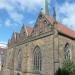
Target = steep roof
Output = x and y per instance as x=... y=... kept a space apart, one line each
x=16 y=35
x=29 y=30
x=61 y=28
x=26 y=29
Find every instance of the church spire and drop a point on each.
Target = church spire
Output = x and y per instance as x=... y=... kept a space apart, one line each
x=44 y=7
x=54 y=10
x=54 y=13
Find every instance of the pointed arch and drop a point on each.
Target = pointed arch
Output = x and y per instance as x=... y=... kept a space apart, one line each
x=19 y=64
x=37 y=59
x=67 y=52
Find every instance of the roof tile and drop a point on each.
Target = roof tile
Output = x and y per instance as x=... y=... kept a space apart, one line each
x=61 y=28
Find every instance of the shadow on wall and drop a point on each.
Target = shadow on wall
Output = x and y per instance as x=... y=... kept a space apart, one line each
x=62 y=72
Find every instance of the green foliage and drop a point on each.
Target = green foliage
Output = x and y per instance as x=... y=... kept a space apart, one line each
x=59 y=72
x=62 y=72
x=68 y=68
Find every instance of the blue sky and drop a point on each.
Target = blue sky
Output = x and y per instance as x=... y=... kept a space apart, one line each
x=15 y=13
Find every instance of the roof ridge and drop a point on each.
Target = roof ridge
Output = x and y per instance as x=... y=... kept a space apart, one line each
x=61 y=27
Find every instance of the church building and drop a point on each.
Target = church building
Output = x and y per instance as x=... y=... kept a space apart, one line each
x=40 y=50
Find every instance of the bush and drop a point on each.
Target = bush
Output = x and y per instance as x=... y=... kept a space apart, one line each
x=59 y=72
x=68 y=68
x=62 y=72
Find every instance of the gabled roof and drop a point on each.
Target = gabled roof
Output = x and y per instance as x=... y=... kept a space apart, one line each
x=16 y=35
x=26 y=29
x=58 y=26
x=61 y=28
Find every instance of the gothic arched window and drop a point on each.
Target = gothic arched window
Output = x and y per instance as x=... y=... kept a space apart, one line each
x=37 y=59
x=67 y=52
x=19 y=60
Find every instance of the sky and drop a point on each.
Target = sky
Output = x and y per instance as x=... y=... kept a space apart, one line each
x=15 y=13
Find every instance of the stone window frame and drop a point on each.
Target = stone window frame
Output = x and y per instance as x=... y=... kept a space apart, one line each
x=67 y=52
x=19 y=60
x=37 y=59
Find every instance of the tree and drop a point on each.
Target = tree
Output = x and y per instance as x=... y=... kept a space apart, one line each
x=68 y=68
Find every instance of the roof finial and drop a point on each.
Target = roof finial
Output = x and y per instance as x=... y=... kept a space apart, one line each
x=54 y=10
x=44 y=7
x=54 y=13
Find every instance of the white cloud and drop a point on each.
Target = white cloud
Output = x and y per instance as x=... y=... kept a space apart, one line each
x=4 y=4
x=3 y=45
x=8 y=23
x=68 y=9
x=31 y=22
x=29 y=4
x=23 y=4
x=16 y=16
x=11 y=6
